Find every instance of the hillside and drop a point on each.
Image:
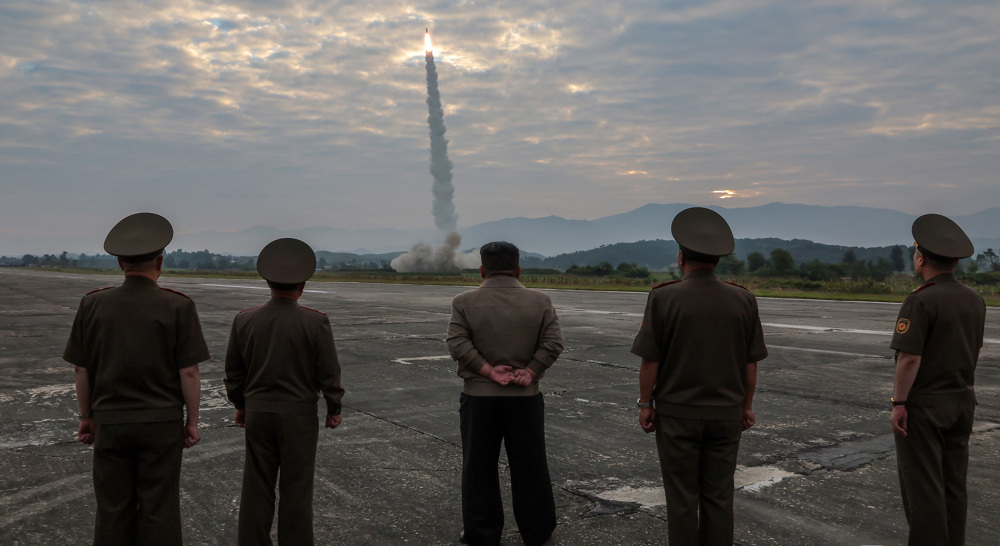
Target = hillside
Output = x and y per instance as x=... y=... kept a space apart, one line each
x=660 y=254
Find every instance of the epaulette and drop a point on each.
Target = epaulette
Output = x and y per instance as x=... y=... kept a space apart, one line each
x=250 y=309
x=100 y=289
x=921 y=287
x=311 y=309
x=175 y=292
x=666 y=283
x=735 y=284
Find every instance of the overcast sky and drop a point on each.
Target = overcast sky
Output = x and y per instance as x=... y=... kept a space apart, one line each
x=223 y=115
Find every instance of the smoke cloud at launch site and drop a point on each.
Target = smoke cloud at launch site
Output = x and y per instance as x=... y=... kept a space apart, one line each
x=447 y=257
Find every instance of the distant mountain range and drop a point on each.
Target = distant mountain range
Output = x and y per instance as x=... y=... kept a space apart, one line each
x=553 y=235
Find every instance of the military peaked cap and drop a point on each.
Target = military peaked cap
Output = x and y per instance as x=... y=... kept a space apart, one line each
x=286 y=261
x=138 y=235
x=703 y=231
x=941 y=236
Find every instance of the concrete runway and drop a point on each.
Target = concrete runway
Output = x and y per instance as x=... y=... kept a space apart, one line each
x=818 y=468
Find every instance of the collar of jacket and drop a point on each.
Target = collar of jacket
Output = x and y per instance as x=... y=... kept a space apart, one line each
x=700 y=274
x=500 y=282
x=139 y=281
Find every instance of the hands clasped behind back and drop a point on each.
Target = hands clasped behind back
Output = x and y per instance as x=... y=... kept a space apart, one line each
x=505 y=375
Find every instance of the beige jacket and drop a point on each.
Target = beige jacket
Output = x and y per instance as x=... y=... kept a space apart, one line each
x=504 y=324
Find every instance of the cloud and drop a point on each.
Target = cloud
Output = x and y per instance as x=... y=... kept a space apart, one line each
x=296 y=113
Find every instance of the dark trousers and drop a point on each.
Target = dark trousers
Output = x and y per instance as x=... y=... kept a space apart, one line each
x=933 y=462
x=137 y=477
x=698 y=460
x=286 y=442
x=518 y=422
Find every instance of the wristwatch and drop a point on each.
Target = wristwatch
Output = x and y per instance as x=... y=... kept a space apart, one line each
x=895 y=402
x=641 y=404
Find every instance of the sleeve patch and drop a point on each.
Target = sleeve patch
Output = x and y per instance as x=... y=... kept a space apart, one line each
x=903 y=326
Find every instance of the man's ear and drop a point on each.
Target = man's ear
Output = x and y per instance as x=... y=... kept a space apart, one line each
x=482 y=271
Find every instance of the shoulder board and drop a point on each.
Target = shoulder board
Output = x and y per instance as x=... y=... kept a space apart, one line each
x=311 y=309
x=734 y=284
x=250 y=309
x=666 y=283
x=100 y=290
x=175 y=292
x=921 y=287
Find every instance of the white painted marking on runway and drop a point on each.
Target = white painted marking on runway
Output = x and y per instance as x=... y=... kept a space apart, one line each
x=826 y=352
x=828 y=329
x=843 y=330
x=411 y=360
x=597 y=312
x=896 y=303
x=261 y=288
x=236 y=286
x=767 y=324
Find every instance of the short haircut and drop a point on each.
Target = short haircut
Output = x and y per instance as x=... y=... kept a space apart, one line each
x=692 y=256
x=938 y=262
x=284 y=286
x=143 y=258
x=499 y=256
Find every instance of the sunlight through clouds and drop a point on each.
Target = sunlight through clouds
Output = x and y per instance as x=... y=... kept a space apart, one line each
x=581 y=109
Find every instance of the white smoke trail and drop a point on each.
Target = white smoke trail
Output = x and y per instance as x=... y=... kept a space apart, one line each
x=445 y=217
x=424 y=257
x=445 y=258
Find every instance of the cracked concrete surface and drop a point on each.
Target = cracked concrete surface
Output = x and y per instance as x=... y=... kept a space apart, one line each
x=818 y=468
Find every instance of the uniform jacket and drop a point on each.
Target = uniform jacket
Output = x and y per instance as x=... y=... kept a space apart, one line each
x=504 y=324
x=133 y=341
x=281 y=356
x=703 y=332
x=943 y=321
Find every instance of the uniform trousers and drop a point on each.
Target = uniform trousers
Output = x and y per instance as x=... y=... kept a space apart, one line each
x=137 y=470
x=698 y=460
x=933 y=462
x=278 y=441
x=518 y=422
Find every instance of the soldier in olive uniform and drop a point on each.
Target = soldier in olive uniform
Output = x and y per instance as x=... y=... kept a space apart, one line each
x=504 y=336
x=281 y=356
x=136 y=348
x=699 y=341
x=937 y=340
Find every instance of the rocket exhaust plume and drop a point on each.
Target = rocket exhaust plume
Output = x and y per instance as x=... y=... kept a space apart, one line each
x=444 y=209
x=447 y=257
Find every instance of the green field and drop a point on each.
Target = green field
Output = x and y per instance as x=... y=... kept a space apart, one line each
x=893 y=289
